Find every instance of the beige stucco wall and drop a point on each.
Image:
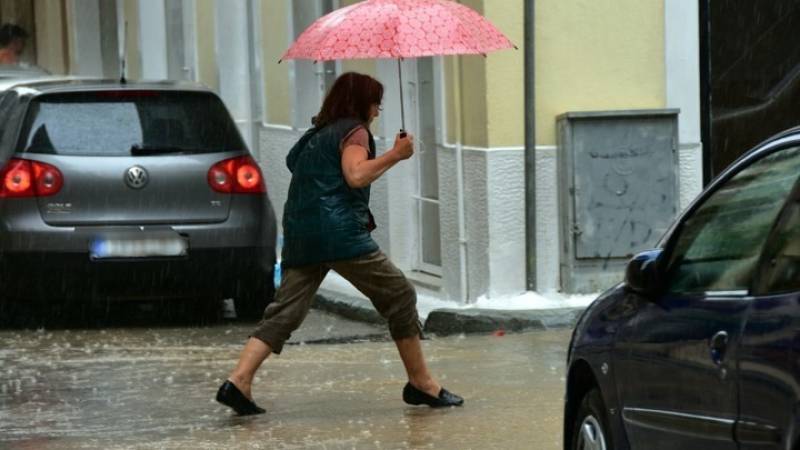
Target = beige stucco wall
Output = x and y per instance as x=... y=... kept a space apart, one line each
x=365 y=66
x=206 y=53
x=133 y=56
x=597 y=55
x=50 y=35
x=275 y=41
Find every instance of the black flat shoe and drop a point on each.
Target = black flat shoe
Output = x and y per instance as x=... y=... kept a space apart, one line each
x=414 y=396
x=230 y=396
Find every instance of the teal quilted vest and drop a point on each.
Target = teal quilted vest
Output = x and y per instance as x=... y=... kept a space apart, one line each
x=324 y=219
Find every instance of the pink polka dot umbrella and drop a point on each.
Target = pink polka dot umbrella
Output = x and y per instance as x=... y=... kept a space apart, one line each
x=398 y=29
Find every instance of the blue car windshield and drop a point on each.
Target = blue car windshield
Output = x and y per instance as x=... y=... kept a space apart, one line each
x=128 y=122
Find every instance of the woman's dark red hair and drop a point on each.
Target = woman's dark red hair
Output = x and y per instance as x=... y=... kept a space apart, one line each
x=351 y=96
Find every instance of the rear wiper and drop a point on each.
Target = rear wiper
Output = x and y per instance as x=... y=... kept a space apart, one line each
x=142 y=150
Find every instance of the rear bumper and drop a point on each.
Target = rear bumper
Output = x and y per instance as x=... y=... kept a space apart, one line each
x=44 y=261
x=250 y=223
x=202 y=273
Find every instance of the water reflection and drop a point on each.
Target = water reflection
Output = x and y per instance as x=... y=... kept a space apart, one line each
x=152 y=388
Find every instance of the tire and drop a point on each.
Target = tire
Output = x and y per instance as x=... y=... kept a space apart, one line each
x=253 y=295
x=590 y=430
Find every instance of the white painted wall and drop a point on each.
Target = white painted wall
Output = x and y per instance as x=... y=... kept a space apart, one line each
x=87 y=56
x=682 y=65
x=494 y=198
x=153 y=37
x=548 y=251
x=506 y=221
x=233 y=62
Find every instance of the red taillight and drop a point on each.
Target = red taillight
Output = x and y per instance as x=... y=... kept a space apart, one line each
x=24 y=178
x=48 y=179
x=239 y=175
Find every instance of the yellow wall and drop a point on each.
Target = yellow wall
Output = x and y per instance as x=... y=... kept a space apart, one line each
x=596 y=55
x=275 y=41
x=472 y=82
x=505 y=76
x=206 y=54
x=590 y=55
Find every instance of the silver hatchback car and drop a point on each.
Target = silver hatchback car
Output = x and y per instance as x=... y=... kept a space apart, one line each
x=124 y=191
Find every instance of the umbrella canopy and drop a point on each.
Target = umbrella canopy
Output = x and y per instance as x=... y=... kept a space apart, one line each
x=398 y=29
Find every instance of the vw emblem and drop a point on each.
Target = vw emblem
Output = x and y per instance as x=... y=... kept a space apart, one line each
x=136 y=177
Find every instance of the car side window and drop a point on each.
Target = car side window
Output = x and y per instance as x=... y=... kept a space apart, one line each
x=780 y=265
x=720 y=243
x=6 y=101
x=8 y=105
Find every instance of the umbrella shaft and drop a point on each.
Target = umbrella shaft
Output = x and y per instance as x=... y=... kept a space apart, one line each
x=402 y=108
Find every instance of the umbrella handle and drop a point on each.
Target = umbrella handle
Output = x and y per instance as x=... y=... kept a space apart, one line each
x=403 y=133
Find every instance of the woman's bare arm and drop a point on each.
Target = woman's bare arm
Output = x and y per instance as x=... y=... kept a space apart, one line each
x=360 y=171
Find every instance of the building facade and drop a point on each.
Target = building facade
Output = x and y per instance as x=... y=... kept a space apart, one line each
x=452 y=217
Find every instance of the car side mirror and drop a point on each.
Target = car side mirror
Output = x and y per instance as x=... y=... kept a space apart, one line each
x=644 y=274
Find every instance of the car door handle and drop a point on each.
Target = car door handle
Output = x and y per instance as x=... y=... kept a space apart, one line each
x=718 y=345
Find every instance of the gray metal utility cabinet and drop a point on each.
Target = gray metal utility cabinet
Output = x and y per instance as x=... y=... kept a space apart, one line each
x=618 y=191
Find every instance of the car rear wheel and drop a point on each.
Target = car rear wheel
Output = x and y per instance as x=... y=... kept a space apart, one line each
x=590 y=430
x=253 y=294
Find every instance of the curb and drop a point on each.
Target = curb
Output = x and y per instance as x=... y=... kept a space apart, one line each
x=448 y=321
x=347 y=306
x=443 y=322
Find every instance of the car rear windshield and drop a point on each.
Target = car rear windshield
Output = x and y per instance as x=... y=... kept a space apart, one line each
x=127 y=122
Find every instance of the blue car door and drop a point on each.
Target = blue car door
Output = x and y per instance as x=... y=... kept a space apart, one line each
x=769 y=368
x=676 y=358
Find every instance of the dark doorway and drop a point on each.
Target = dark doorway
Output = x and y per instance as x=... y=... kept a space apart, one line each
x=750 y=76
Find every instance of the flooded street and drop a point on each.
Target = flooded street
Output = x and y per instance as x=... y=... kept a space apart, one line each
x=153 y=387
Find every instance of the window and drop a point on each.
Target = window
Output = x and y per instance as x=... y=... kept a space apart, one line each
x=110 y=123
x=719 y=245
x=430 y=257
x=780 y=271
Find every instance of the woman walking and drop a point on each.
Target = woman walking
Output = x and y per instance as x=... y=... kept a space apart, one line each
x=326 y=226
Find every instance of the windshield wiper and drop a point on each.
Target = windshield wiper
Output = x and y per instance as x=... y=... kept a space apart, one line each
x=142 y=150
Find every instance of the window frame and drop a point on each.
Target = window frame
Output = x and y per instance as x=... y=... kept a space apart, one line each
x=762 y=267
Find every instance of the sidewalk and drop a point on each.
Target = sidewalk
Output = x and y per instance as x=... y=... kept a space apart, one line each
x=526 y=311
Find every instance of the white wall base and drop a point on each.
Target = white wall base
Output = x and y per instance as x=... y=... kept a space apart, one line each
x=495 y=212
x=690 y=173
x=548 y=250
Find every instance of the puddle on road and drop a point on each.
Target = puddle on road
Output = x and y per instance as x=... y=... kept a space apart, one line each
x=154 y=388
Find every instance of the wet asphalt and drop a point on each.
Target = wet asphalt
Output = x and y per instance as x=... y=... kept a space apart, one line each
x=149 y=383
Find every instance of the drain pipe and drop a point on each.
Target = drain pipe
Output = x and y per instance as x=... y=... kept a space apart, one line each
x=462 y=226
x=530 y=147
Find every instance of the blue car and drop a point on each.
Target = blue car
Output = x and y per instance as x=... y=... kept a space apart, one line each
x=699 y=347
